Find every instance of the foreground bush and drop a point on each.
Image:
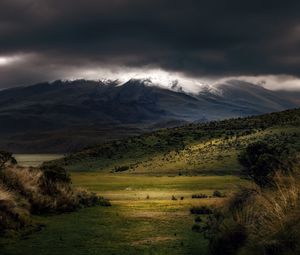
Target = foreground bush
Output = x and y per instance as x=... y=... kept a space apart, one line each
x=261 y=160
x=121 y=168
x=258 y=221
x=12 y=216
x=25 y=191
x=6 y=158
x=55 y=173
x=201 y=210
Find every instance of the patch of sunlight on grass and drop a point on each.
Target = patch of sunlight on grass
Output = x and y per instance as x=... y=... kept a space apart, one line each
x=143 y=218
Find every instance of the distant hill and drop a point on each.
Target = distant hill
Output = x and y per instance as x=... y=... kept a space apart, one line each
x=66 y=116
x=207 y=148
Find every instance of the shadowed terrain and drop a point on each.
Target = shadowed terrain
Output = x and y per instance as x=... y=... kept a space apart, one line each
x=65 y=116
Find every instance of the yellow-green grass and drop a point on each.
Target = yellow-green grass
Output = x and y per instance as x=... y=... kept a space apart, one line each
x=143 y=218
x=210 y=156
x=162 y=187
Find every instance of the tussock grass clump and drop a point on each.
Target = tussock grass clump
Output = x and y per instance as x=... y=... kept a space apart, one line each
x=25 y=191
x=259 y=221
x=12 y=216
x=264 y=218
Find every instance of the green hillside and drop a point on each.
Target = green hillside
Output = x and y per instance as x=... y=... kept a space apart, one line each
x=208 y=148
x=151 y=184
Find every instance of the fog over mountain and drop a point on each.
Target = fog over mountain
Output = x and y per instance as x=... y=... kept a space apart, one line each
x=165 y=63
x=67 y=115
x=207 y=40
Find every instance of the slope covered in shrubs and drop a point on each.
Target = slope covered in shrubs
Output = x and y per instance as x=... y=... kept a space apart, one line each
x=190 y=149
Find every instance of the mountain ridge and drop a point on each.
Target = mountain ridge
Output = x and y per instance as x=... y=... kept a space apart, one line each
x=92 y=110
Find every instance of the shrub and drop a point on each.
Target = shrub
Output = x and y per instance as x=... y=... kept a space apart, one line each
x=196 y=228
x=199 y=196
x=88 y=199
x=241 y=198
x=6 y=158
x=201 y=210
x=104 y=202
x=217 y=193
x=230 y=239
x=55 y=173
x=198 y=219
x=121 y=168
x=31 y=190
x=261 y=161
x=258 y=221
x=12 y=215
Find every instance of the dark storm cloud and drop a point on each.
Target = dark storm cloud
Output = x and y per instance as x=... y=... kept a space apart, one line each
x=198 y=38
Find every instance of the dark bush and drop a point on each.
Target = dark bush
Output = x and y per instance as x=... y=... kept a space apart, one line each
x=201 y=210
x=228 y=241
x=121 y=168
x=244 y=196
x=199 y=196
x=198 y=219
x=261 y=160
x=104 y=202
x=217 y=193
x=196 y=228
x=6 y=158
x=55 y=173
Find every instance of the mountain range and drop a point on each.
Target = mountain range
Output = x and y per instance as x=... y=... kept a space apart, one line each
x=63 y=116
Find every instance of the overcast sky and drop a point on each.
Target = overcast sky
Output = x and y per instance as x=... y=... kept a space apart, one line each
x=43 y=40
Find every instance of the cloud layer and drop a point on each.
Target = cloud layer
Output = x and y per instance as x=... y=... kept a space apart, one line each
x=51 y=39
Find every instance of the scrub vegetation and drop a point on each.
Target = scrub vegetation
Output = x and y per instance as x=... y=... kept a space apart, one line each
x=208 y=148
x=263 y=218
x=228 y=187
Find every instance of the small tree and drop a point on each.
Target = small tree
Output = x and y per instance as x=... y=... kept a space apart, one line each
x=261 y=161
x=6 y=158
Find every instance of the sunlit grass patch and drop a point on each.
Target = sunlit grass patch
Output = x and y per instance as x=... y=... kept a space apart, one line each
x=134 y=224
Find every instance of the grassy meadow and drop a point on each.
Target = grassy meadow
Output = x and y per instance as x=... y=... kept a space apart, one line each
x=150 y=180
x=143 y=219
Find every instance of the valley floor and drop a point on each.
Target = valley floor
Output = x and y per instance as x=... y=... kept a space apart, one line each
x=143 y=219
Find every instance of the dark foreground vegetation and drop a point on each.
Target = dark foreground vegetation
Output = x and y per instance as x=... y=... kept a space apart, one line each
x=265 y=217
x=27 y=190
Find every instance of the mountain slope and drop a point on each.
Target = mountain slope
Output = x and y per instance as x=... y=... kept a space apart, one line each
x=65 y=116
x=191 y=149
